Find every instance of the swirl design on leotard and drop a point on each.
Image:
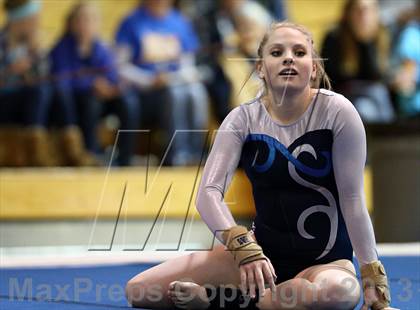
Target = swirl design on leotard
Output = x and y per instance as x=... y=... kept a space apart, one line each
x=330 y=210
x=274 y=145
x=294 y=164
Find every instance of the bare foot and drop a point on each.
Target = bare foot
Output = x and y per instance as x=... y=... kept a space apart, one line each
x=188 y=295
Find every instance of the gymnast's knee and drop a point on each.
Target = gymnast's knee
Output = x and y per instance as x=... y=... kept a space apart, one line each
x=340 y=295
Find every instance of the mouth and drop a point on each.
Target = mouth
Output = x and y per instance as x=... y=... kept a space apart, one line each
x=288 y=72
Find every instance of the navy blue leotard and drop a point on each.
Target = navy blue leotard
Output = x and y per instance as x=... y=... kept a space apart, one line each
x=307 y=182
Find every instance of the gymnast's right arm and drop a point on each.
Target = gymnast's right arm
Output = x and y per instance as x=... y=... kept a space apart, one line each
x=218 y=172
x=220 y=167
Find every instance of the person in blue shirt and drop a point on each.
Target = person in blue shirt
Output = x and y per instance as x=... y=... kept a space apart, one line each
x=24 y=96
x=86 y=82
x=156 y=45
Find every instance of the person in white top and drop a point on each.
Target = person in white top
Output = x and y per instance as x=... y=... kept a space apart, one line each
x=303 y=149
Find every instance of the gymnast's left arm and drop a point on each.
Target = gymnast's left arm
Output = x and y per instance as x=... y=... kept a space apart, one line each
x=349 y=156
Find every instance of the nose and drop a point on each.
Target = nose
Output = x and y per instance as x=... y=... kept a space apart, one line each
x=288 y=61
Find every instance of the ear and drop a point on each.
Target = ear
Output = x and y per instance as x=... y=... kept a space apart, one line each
x=258 y=67
x=313 y=74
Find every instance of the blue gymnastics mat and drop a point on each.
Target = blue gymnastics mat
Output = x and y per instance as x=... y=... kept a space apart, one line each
x=102 y=287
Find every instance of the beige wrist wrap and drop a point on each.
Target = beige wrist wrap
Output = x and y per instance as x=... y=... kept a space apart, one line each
x=242 y=245
x=374 y=275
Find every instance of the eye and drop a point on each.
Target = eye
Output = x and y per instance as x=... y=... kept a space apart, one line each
x=300 y=53
x=275 y=53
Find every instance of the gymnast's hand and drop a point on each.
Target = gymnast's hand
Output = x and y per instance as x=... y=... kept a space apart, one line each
x=254 y=267
x=375 y=287
x=256 y=274
x=370 y=297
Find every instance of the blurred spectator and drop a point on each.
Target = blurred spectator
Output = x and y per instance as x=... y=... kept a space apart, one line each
x=249 y=20
x=205 y=17
x=356 y=53
x=222 y=25
x=156 y=47
x=23 y=94
x=86 y=85
x=276 y=7
x=406 y=61
x=391 y=10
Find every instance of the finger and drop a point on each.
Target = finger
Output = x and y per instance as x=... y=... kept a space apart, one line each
x=364 y=307
x=269 y=277
x=273 y=271
x=251 y=282
x=370 y=296
x=244 y=287
x=259 y=279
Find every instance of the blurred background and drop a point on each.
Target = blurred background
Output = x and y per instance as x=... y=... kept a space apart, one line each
x=108 y=108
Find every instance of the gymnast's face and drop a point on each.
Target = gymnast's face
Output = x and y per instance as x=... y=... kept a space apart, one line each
x=287 y=63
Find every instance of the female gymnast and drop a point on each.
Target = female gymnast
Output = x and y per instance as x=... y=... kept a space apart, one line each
x=303 y=149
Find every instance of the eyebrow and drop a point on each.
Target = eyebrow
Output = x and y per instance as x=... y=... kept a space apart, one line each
x=298 y=45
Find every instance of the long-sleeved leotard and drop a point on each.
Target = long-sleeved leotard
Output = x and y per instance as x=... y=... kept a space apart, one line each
x=307 y=180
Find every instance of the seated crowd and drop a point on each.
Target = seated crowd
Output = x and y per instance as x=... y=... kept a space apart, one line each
x=167 y=77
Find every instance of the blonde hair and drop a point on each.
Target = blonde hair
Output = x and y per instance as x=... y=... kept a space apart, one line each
x=321 y=75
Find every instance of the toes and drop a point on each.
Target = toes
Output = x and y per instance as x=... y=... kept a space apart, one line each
x=172 y=285
x=176 y=294
x=179 y=300
x=180 y=295
x=176 y=286
x=175 y=299
x=185 y=295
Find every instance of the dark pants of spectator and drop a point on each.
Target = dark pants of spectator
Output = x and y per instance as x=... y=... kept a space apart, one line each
x=220 y=90
x=127 y=109
x=83 y=109
x=180 y=114
x=27 y=106
x=23 y=118
x=77 y=108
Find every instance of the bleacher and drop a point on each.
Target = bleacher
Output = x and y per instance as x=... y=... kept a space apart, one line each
x=87 y=193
